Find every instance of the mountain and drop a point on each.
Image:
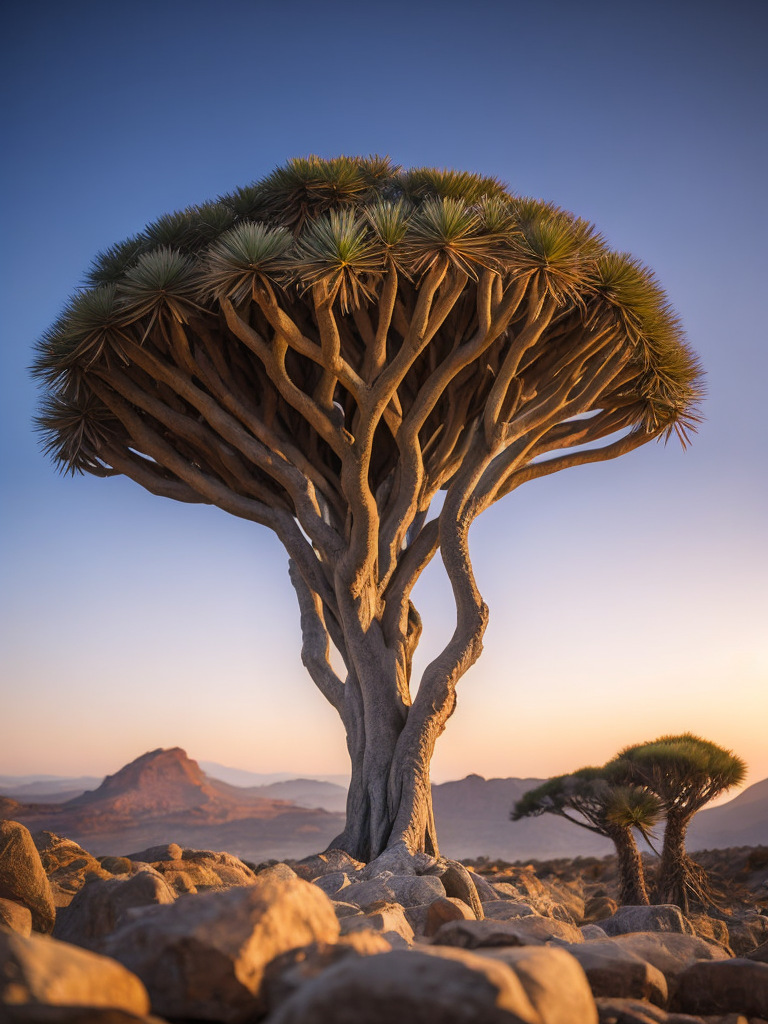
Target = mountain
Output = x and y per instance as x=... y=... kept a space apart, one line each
x=472 y=819
x=305 y=793
x=46 y=789
x=743 y=821
x=241 y=777
x=164 y=796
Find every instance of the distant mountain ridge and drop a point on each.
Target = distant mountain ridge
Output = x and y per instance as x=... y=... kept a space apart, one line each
x=165 y=796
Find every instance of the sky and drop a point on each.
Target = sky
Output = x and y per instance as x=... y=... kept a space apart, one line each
x=628 y=599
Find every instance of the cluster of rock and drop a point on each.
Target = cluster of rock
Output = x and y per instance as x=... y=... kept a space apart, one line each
x=176 y=935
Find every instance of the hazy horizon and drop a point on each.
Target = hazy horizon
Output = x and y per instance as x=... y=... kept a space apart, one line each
x=628 y=600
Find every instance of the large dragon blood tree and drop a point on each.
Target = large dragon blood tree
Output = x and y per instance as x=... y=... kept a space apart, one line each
x=325 y=350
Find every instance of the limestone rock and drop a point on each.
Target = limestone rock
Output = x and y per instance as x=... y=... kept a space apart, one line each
x=636 y=1011
x=592 y=931
x=411 y=987
x=40 y=969
x=15 y=917
x=670 y=952
x=598 y=908
x=67 y=865
x=663 y=918
x=447 y=908
x=760 y=953
x=116 y=865
x=525 y=931
x=311 y=868
x=417 y=917
x=289 y=971
x=277 y=873
x=342 y=909
x=102 y=905
x=32 y=1013
x=458 y=883
x=415 y=890
x=204 y=956
x=747 y=932
x=729 y=986
x=506 y=910
x=554 y=982
x=332 y=883
x=22 y=877
x=484 y=888
x=387 y=919
x=398 y=860
x=710 y=928
x=375 y=890
x=169 y=851
x=614 y=970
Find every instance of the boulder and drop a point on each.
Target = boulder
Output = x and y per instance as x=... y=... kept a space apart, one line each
x=554 y=982
x=228 y=869
x=116 y=865
x=598 y=908
x=415 y=890
x=663 y=918
x=398 y=860
x=713 y=929
x=67 y=865
x=485 y=890
x=592 y=931
x=22 y=877
x=613 y=970
x=202 y=870
x=375 y=890
x=332 y=883
x=204 y=956
x=15 y=917
x=342 y=909
x=411 y=987
x=168 y=851
x=670 y=952
x=760 y=954
x=42 y=970
x=727 y=986
x=31 y=1013
x=459 y=884
x=278 y=872
x=635 y=1011
x=388 y=919
x=747 y=932
x=447 y=908
x=313 y=867
x=103 y=904
x=289 y=971
x=525 y=931
x=506 y=910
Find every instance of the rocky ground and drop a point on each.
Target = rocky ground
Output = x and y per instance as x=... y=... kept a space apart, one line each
x=182 y=935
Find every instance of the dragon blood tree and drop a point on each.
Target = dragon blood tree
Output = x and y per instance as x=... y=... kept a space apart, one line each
x=605 y=807
x=322 y=352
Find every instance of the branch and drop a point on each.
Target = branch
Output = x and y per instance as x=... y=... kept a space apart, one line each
x=315 y=651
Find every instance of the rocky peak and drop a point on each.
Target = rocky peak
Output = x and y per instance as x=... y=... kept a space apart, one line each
x=158 y=781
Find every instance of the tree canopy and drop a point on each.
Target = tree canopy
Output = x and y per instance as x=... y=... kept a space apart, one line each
x=322 y=352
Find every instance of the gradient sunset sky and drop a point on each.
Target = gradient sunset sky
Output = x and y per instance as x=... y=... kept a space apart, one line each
x=627 y=599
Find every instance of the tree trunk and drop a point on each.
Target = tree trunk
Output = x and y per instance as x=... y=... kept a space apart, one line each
x=632 y=890
x=678 y=878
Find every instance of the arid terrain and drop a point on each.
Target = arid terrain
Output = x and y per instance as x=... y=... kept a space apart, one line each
x=164 y=796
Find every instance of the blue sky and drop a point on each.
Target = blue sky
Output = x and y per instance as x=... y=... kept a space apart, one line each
x=627 y=600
